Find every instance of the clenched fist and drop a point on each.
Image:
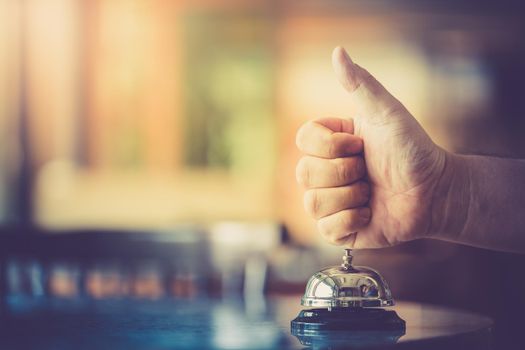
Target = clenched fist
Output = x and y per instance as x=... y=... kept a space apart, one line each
x=375 y=180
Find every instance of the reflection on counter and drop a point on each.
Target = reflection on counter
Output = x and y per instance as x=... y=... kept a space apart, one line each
x=204 y=323
x=165 y=323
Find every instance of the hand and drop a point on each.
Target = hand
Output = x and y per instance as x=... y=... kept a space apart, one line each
x=376 y=180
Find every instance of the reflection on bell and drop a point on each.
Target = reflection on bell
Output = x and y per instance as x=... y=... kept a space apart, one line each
x=347 y=286
x=347 y=303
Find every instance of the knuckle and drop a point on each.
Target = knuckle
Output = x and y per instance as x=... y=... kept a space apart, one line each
x=312 y=203
x=348 y=170
x=362 y=216
x=359 y=145
x=327 y=231
x=342 y=170
x=368 y=80
x=302 y=172
x=332 y=229
x=331 y=148
x=354 y=219
x=340 y=228
x=346 y=239
x=347 y=220
x=300 y=136
x=337 y=144
x=359 y=167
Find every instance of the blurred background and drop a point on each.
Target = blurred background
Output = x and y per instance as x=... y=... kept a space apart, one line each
x=147 y=147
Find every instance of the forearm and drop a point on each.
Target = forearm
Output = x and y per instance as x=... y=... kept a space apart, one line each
x=485 y=203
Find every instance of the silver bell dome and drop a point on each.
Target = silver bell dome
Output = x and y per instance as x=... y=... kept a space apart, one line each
x=347 y=286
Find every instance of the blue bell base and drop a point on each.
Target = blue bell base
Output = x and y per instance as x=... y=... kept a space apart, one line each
x=358 y=326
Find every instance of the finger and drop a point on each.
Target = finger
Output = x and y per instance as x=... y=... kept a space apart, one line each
x=348 y=240
x=336 y=227
x=321 y=202
x=367 y=94
x=313 y=172
x=328 y=138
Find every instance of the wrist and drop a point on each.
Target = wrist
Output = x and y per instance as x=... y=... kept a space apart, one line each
x=451 y=199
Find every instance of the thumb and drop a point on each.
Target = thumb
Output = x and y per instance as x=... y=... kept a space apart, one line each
x=368 y=96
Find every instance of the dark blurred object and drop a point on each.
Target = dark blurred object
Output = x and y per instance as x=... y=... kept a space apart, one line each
x=102 y=264
x=229 y=259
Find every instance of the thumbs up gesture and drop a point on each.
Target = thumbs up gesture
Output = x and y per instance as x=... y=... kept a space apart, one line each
x=375 y=180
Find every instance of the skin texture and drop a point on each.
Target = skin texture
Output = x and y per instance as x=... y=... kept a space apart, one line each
x=378 y=179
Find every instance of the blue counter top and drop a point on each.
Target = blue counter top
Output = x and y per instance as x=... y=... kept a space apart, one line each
x=203 y=323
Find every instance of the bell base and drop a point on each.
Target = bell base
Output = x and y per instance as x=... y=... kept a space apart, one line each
x=348 y=319
x=348 y=327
